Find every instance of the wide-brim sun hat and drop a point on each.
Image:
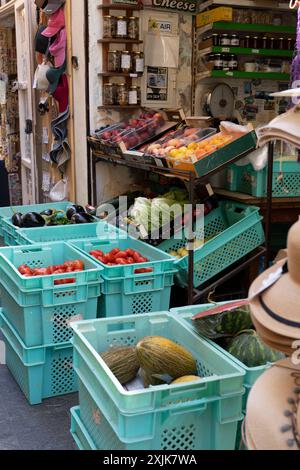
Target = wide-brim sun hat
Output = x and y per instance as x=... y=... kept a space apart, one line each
x=277 y=308
x=273 y=409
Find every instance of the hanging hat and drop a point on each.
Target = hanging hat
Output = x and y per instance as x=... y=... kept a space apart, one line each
x=53 y=77
x=55 y=23
x=41 y=42
x=58 y=48
x=273 y=409
x=41 y=3
x=61 y=94
x=277 y=308
x=40 y=78
x=52 y=6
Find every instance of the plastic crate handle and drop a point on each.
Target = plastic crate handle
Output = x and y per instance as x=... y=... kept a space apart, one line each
x=189 y=408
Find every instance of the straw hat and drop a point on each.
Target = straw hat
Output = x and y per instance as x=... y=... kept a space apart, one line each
x=277 y=307
x=273 y=409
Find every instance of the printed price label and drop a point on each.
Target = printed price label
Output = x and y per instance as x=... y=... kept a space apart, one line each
x=255 y=51
x=225 y=49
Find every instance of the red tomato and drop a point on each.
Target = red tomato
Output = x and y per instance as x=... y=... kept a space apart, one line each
x=130 y=252
x=59 y=271
x=121 y=261
x=136 y=256
x=41 y=272
x=78 y=265
x=130 y=260
x=122 y=254
x=106 y=259
x=70 y=269
x=25 y=270
x=143 y=260
x=115 y=251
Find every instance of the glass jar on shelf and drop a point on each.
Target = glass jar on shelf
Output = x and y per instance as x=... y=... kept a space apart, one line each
x=225 y=40
x=133 y=95
x=126 y=62
x=215 y=39
x=114 y=61
x=225 y=61
x=218 y=62
x=232 y=62
x=108 y=94
x=123 y=97
x=121 y=28
x=234 y=40
x=109 y=26
x=133 y=28
x=138 y=62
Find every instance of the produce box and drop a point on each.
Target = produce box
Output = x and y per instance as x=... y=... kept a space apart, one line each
x=185 y=315
x=40 y=308
x=231 y=232
x=8 y=212
x=188 y=416
x=135 y=288
x=100 y=230
x=245 y=179
x=11 y=231
x=79 y=432
x=41 y=372
x=212 y=16
x=204 y=160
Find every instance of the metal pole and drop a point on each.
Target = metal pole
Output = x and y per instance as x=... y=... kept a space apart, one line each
x=191 y=240
x=268 y=218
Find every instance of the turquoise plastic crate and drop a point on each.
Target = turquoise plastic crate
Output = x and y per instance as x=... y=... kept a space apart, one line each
x=244 y=179
x=135 y=294
x=43 y=288
x=233 y=230
x=10 y=211
x=41 y=372
x=101 y=230
x=79 y=432
x=205 y=412
x=159 y=262
x=185 y=314
x=37 y=325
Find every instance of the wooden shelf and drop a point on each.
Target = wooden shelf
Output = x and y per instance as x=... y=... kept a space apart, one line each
x=119 y=107
x=120 y=74
x=247 y=27
x=120 y=6
x=119 y=41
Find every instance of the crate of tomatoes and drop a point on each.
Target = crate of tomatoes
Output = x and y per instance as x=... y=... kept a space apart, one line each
x=137 y=277
x=46 y=287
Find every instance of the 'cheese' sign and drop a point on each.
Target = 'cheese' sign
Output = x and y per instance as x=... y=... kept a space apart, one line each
x=176 y=5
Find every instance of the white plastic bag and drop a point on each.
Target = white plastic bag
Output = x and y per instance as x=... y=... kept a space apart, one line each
x=258 y=159
x=59 y=192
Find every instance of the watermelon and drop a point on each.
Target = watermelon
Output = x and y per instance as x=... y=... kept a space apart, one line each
x=248 y=348
x=225 y=324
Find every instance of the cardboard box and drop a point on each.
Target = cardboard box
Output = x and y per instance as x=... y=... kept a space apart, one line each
x=212 y=16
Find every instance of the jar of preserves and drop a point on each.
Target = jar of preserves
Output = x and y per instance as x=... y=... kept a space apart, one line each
x=108 y=94
x=114 y=61
x=234 y=40
x=255 y=44
x=133 y=95
x=122 y=94
x=225 y=40
x=126 y=62
x=216 y=39
x=232 y=62
x=290 y=44
x=248 y=42
x=264 y=42
x=109 y=26
x=139 y=95
x=138 y=62
x=218 y=62
x=133 y=28
x=225 y=61
x=281 y=44
x=121 y=28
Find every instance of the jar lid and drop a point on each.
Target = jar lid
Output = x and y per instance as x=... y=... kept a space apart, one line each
x=133 y=17
x=107 y=16
x=225 y=34
x=216 y=34
x=108 y=84
x=113 y=52
x=121 y=84
x=137 y=52
x=121 y=17
x=133 y=87
x=125 y=52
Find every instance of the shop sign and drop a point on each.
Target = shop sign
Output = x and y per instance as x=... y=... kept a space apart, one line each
x=162 y=26
x=183 y=6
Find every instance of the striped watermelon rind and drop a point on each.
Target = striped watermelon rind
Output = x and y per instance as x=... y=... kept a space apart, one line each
x=225 y=324
x=248 y=348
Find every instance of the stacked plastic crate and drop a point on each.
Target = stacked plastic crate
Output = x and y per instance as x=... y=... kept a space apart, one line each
x=37 y=313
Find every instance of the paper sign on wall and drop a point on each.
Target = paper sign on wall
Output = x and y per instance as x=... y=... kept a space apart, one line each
x=157 y=83
x=161 y=51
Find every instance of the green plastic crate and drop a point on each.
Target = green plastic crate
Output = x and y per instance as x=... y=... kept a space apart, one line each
x=79 y=432
x=185 y=314
x=100 y=230
x=286 y=180
x=233 y=230
x=205 y=414
x=41 y=372
x=10 y=211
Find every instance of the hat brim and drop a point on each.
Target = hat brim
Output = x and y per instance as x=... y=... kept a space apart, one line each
x=52 y=7
x=267 y=403
x=283 y=298
x=51 y=31
x=271 y=336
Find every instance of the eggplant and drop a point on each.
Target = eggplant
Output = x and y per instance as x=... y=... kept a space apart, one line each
x=91 y=210
x=83 y=218
x=48 y=213
x=72 y=210
x=33 y=220
x=17 y=219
